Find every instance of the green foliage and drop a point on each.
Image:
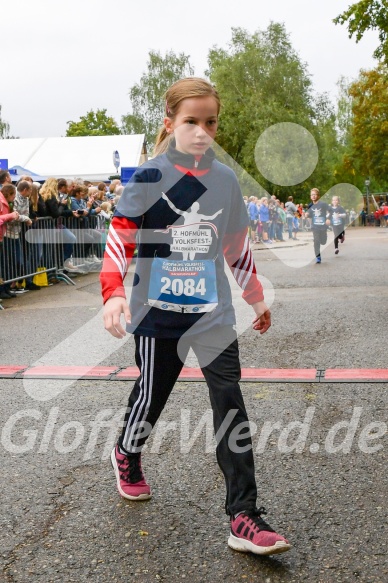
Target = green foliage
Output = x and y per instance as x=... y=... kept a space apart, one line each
x=326 y=136
x=346 y=169
x=94 y=123
x=368 y=15
x=369 y=133
x=147 y=96
x=344 y=114
x=262 y=81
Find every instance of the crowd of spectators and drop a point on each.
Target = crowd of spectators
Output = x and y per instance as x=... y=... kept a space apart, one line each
x=71 y=206
x=273 y=220
x=71 y=209
x=270 y=219
x=380 y=216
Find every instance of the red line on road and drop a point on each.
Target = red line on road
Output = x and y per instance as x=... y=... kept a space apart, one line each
x=356 y=374
x=9 y=371
x=132 y=372
x=291 y=375
x=247 y=374
x=271 y=374
x=76 y=372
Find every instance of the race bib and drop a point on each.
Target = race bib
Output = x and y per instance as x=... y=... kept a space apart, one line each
x=319 y=220
x=188 y=287
x=336 y=219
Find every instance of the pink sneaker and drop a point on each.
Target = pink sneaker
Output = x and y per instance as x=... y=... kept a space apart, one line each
x=129 y=476
x=250 y=533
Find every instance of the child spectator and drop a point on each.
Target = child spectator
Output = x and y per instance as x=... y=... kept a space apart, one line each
x=295 y=225
x=253 y=213
x=7 y=196
x=264 y=220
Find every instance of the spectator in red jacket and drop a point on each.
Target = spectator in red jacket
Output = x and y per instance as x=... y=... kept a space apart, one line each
x=7 y=196
x=384 y=215
x=377 y=217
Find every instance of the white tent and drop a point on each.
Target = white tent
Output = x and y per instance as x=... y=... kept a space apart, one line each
x=89 y=157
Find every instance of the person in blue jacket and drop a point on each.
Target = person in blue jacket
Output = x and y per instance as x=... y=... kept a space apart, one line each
x=264 y=218
x=253 y=213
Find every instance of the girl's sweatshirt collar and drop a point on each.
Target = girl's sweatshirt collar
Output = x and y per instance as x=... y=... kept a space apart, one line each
x=188 y=160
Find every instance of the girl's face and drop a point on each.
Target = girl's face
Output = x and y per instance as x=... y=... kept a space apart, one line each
x=195 y=125
x=334 y=201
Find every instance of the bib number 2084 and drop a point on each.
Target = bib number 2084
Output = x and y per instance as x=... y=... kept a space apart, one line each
x=187 y=287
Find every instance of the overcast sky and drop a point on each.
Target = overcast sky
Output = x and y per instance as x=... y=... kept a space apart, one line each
x=61 y=59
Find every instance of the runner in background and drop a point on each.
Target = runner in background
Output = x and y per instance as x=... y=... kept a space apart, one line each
x=320 y=214
x=338 y=217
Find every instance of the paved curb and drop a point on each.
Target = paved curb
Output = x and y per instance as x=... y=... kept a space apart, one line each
x=277 y=245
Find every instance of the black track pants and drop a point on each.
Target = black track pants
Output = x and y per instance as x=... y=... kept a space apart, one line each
x=338 y=234
x=160 y=366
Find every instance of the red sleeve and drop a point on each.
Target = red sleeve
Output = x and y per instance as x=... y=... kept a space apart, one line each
x=239 y=257
x=5 y=218
x=119 y=249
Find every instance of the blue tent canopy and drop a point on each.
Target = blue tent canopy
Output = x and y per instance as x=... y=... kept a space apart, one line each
x=17 y=171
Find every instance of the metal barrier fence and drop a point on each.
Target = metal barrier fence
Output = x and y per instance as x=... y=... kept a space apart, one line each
x=57 y=246
x=90 y=233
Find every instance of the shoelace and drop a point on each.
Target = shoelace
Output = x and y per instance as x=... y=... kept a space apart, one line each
x=259 y=523
x=130 y=470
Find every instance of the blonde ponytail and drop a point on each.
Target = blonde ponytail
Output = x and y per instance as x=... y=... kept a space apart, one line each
x=163 y=140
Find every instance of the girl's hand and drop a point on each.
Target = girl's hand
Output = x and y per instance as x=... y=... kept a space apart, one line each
x=113 y=309
x=262 y=322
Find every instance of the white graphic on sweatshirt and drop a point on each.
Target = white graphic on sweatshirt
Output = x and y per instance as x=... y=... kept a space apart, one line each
x=318 y=219
x=190 y=238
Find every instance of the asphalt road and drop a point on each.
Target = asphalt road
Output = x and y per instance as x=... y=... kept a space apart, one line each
x=323 y=480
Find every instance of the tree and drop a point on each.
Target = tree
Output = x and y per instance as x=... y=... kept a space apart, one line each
x=93 y=124
x=4 y=128
x=262 y=81
x=369 y=132
x=147 y=96
x=329 y=145
x=344 y=114
x=346 y=169
x=368 y=15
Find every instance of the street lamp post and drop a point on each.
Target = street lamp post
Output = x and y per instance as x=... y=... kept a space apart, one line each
x=116 y=160
x=367 y=184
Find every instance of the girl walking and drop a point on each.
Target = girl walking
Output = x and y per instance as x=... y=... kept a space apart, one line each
x=186 y=212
